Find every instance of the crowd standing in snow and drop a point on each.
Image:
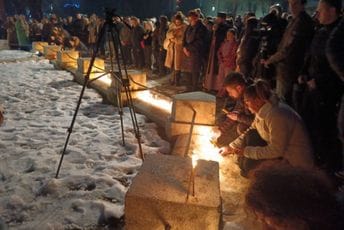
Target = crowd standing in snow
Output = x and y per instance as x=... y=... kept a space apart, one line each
x=286 y=69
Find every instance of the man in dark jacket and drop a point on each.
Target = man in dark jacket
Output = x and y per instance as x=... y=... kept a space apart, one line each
x=219 y=34
x=136 y=39
x=194 y=45
x=290 y=53
x=335 y=54
x=323 y=90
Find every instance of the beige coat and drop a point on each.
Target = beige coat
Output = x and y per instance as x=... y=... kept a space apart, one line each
x=174 y=44
x=283 y=130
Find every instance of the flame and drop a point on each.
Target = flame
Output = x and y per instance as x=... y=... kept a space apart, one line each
x=194 y=160
x=154 y=100
x=204 y=148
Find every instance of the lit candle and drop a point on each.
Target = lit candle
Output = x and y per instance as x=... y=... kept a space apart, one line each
x=194 y=159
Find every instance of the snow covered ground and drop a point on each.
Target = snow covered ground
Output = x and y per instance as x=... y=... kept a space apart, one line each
x=39 y=102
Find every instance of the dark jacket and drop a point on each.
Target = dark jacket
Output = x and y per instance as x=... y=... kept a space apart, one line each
x=194 y=39
x=248 y=49
x=137 y=36
x=335 y=49
x=318 y=67
x=219 y=35
x=295 y=42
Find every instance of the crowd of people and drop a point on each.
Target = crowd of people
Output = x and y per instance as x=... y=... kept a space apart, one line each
x=283 y=73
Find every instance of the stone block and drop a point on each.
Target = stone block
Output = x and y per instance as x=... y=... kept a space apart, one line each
x=67 y=58
x=84 y=63
x=39 y=46
x=156 y=198
x=174 y=128
x=137 y=79
x=183 y=108
x=204 y=105
x=50 y=51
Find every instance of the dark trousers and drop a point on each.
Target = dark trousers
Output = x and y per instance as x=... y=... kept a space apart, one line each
x=127 y=54
x=148 y=56
x=161 y=62
x=138 y=57
x=246 y=164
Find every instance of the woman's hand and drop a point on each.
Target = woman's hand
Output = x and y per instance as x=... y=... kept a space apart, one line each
x=227 y=150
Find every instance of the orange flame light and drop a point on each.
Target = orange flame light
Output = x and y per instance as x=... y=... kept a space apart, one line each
x=155 y=100
x=106 y=79
x=203 y=147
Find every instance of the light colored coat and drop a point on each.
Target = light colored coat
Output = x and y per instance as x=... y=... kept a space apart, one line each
x=286 y=136
x=174 y=40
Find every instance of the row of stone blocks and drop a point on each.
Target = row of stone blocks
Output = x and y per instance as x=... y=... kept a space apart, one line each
x=71 y=60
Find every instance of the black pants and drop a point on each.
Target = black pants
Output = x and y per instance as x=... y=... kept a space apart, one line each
x=246 y=164
x=127 y=54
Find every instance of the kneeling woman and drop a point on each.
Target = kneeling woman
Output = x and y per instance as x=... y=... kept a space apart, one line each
x=277 y=132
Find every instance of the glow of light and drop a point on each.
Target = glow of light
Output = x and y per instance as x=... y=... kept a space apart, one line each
x=213 y=8
x=203 y=147
x=106 y=79
x=194 y=160
x=154 y=100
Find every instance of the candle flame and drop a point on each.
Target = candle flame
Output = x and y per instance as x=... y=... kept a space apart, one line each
x=204 y=148
x=155 y=100
x=194 y=160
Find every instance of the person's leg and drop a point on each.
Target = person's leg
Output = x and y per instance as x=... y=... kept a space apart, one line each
x=246 y=164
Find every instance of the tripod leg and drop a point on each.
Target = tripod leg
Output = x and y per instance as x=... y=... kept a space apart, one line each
x=125 y=84
x=87 y=78
x=118 y=86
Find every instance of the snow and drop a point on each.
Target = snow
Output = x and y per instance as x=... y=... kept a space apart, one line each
x=12 y=55
x=39 y=103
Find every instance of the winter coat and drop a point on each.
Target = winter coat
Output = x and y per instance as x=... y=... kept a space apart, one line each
x=218 y=37
x=247 y=50
x=125 y=35
x=227 y=61
x=335 y=49
x=291 y=50
x=175 y=55
x=92 y=32
x=194 y=41
x=137 y=36
x=286 y=136
x=11 y=33
x=328 y=84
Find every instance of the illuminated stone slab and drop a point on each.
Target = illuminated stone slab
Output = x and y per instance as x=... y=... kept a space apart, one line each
x=84 y=63
x=67 y=58
x=137 y=79
x=39 y=46
x=50 y=51
x=157 y=196
x=183 y=109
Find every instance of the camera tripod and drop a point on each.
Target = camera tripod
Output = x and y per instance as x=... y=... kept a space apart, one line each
x=110 y=28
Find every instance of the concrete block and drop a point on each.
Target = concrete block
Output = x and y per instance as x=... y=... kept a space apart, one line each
x=179 y=122
x=157 y=197
x=84 y=63
x=39 y=46
x=50 y=51
x=67 y=58
x=204 y=104
x=174 y=129
x=137 y=79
